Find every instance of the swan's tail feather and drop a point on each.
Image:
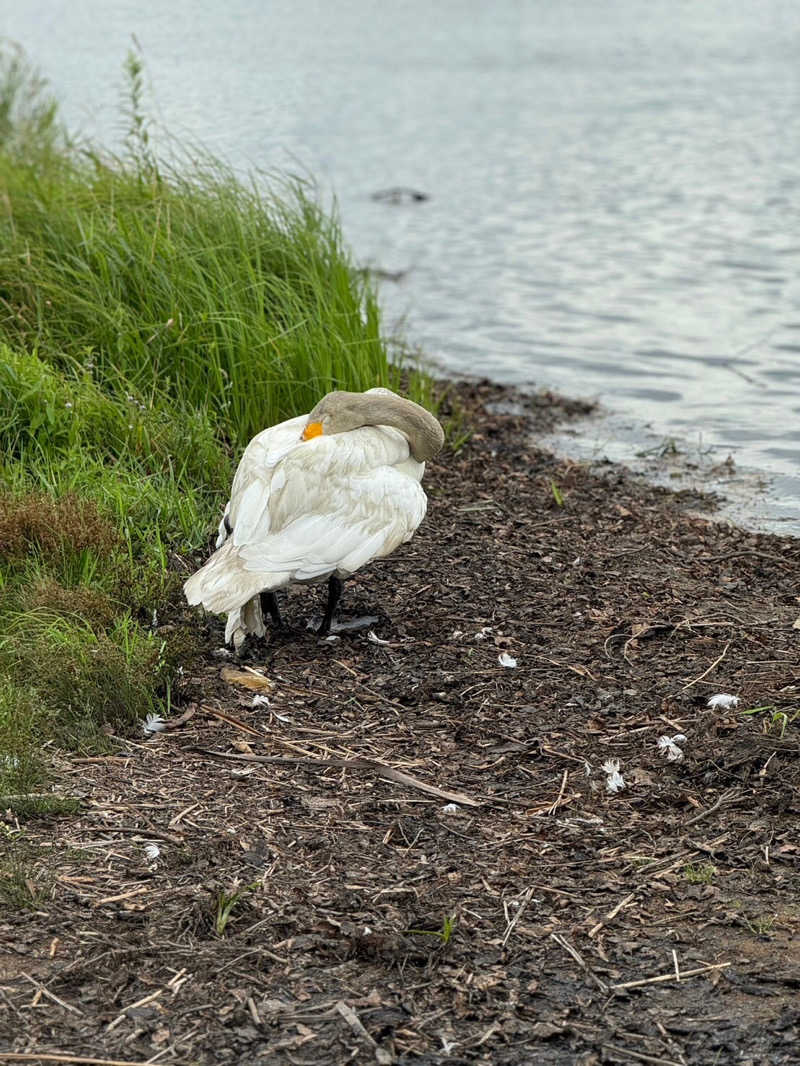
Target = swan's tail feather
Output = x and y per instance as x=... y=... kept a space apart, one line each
x=224 y=584
x=244 y=620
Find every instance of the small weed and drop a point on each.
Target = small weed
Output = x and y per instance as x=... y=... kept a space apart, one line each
x=21 y=720
x=226 y=901
x=27 y=111
x=774 y=720
x=701 y=873
x=761 y=925
x=667 y=447
x=557 y=496
x=457 y=434
x=450 y=412
x=444 y=934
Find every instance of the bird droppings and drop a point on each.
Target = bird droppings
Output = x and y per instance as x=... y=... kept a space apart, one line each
x=507 y=660
x=662 y=921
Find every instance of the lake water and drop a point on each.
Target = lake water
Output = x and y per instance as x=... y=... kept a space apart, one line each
x=614 y=187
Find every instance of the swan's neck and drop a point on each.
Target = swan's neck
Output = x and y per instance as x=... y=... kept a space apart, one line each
x=425 y=435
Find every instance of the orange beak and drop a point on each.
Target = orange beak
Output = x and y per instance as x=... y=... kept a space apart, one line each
x=313 y=429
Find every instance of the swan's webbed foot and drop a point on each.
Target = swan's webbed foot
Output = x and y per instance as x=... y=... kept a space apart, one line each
x=353 y=625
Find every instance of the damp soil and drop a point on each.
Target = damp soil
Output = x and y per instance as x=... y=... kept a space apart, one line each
x=405 y=851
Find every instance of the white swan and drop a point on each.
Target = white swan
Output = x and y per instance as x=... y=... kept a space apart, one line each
x=317 y=497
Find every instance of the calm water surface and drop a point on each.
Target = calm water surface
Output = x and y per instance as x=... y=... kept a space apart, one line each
x=614 y=188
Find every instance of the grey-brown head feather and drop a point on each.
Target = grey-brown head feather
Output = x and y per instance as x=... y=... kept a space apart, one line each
x=342 y=411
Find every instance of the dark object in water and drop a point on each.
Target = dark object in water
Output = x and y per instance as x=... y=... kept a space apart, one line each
x=381 y=274
x=400 y=195
x=388 y=275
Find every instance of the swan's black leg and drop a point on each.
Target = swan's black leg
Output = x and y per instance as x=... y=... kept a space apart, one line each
x=335 y=587
x=269 y=605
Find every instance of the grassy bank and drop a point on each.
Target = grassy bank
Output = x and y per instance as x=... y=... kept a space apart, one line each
x=152 y=318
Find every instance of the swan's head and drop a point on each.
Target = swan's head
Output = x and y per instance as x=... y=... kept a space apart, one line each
x=340 y=412
x=335 y=413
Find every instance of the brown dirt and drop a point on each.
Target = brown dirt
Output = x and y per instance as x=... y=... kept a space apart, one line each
x=574 y=909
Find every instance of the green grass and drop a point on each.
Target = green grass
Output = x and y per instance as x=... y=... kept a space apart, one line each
x=23 y=881
x=444 y=934
x=153 y=317
x=774 y=720
x=761 y=925
x=701 y=873
x=226 y=901
x=558 y=496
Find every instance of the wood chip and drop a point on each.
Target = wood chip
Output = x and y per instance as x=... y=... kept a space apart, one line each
x=247 y=678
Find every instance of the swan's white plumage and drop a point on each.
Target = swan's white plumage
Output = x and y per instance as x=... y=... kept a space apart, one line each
x=301 y=510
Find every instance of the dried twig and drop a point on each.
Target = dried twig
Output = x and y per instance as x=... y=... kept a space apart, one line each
x=611 y=914
x=388 y=773
x=182 y=719
x=27 y=1056
x=51 y=996
x=520 y=911
x=562 y=942
x=120 y=896
x=728 y=795
x=235 y=722
x=354 y=1022
x=132 y=1006
x=143 y=831
x=641 y=1056
x=670 y=976
x=251 y=1006
x=555 y=805
x=705 y=673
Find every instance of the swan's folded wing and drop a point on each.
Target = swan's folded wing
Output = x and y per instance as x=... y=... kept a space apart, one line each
x=248 y=510
x=347 y=522
x=308 y=479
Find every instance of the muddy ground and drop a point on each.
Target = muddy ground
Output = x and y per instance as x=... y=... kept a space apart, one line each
x=309 y=904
